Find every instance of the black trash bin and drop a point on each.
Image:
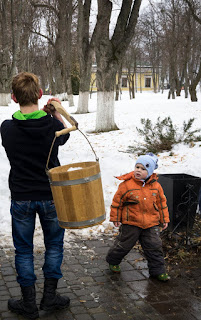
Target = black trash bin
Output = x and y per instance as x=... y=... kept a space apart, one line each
x=182 y=191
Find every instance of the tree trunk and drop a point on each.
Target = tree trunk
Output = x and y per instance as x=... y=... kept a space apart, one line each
x=16 y=33
x=129 y=86
x=194 y=83
x=83 y=102
x=192 y=91
x=69 y=91
x=132 y=86
x=63 y=45
x=11 y=18
x=5 y=99
x=109 y=53
x=70 y=100
x=140 y=77
x=172 y=84
x=136 y=81
x=154 y=81
x=178 y=87
x=105 y=112
x=171 y=93
x=118 y=82
x=158 y=78
x=162 y=84
x=85 y=50
x=85 y=78
x=186 y=83
x=105 y=95
x=186 y=91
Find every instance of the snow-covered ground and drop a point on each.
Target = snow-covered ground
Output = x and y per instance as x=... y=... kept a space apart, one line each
x=110 y=148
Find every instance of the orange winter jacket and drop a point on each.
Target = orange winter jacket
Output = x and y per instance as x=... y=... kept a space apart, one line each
x=138 y=205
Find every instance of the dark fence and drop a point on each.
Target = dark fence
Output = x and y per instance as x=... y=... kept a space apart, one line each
x=182 y=191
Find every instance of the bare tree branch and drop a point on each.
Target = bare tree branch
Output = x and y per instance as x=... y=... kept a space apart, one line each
x=44 y=5
x=44 y=36
x=193 y=11
x=126 y=23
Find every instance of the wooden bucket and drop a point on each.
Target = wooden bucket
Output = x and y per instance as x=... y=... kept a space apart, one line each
x=77 y=193
x=76 y=188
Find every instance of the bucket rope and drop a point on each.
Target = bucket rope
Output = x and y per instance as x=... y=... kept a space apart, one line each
x=48 y=159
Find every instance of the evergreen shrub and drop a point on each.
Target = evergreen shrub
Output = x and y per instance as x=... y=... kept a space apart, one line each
x=163 y=135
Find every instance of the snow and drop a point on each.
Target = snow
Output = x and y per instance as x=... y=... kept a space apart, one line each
x=74 y=168
x=110 y=148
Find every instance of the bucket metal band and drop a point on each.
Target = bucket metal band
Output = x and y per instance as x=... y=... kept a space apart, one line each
x=76 y=224
x=74 y=182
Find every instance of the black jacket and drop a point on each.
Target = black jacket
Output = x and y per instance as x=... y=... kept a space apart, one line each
x=27 y=144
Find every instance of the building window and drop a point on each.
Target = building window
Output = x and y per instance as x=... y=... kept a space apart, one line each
x=147 y=82
x=124 y=82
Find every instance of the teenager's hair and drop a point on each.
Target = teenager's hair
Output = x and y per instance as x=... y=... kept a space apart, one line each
x=26 y=88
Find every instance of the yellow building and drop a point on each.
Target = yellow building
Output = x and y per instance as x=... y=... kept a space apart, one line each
x=143 y=79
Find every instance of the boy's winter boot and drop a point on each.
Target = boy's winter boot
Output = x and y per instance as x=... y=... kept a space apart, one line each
x=51 y=299
x=115 y=268
x=163 y=277
x=27 y=305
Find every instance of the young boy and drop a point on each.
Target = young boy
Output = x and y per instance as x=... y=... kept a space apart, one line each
x=139 y=207
x=27 y=139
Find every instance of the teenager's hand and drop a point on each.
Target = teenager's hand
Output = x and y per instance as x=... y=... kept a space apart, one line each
x=53 y=99
x=75 y=122
x=164 y=226
x=49 y=108
x=117 y=224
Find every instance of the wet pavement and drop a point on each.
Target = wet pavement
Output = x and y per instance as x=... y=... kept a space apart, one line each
x=96 y=293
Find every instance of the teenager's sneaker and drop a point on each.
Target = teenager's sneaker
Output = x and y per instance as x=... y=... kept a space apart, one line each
x=115 y=268
x=163 y=277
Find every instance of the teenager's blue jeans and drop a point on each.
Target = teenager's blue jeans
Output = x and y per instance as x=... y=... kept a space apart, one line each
x=23 y=226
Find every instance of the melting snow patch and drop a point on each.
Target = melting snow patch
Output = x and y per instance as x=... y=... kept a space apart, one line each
x=74 y=168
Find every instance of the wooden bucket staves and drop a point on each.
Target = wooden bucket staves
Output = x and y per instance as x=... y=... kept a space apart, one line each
x=76 y=188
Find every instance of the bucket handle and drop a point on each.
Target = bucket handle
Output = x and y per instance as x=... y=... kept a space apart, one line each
x=74 y=127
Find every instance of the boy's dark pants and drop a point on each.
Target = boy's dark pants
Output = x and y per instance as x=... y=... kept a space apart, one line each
x=151 y=244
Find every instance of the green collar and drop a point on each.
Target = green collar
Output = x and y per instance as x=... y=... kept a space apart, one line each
x=33 y=115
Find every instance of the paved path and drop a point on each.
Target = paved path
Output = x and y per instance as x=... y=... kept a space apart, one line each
x=96 y=293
